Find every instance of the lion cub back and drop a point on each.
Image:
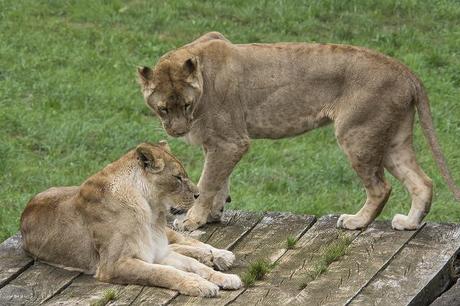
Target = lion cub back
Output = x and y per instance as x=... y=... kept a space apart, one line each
x=53 y=232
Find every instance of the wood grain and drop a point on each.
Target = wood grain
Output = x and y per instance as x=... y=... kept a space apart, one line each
x=367 y=255
x=13 y=259
x=380 y=267
x=266 y=241
x=35 y=285
x=283 y=283
x=417 y=274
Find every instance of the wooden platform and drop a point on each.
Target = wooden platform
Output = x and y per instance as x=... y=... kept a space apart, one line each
x=380 y=266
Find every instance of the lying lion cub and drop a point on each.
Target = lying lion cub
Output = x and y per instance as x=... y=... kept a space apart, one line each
x=114 y=226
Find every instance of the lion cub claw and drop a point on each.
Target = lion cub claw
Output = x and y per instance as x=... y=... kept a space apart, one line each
x=185 y=225
x=198 y=286
x=222 y=259
x=226 y=281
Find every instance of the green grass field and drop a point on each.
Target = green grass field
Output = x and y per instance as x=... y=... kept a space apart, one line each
x=70 y=103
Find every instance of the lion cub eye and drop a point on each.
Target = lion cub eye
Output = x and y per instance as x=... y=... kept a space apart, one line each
x=163 y=110
x=178 y=178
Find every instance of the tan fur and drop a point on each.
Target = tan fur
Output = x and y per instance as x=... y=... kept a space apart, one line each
x=220 y=95
x=114 y=226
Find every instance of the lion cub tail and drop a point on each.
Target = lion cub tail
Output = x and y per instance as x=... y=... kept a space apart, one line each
x=426 y=121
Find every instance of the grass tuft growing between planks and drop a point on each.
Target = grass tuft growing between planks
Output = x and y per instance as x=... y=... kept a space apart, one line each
x=248 y=279
x=256 y=271
x=329 y=254
x=290 y=242
x=108 y=296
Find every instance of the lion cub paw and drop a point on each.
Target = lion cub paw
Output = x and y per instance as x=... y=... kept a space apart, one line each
x=351 y=222
x=216 y=216
x=222 y=259
x=189 y=223
x=226 y=281
x=186 y=225
x=402 y=222
x=195 y=285
x=206 y=258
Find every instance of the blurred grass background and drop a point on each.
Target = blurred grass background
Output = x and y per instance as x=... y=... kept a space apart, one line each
x=70 y=104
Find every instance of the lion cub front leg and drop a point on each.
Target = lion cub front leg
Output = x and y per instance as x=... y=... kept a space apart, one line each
x=219 y=163
x=188 y=264
x=204 y=253
x=138 y=272
x=218 y=204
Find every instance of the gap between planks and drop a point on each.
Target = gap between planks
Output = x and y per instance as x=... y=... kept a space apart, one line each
x=283 y=281
x=384 y=266
x=297 y=237
x=419 y=272
x=216 y=231
x=267 y=240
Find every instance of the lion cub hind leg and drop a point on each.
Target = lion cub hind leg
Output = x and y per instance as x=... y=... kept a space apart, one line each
x=219 y=259
x=136 y=271
x=365 y=152
x=401 y=162
x=181 y=262
x=201 y=254
x=204 y=253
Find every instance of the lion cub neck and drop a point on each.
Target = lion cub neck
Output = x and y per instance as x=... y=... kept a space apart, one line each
x=123 y=183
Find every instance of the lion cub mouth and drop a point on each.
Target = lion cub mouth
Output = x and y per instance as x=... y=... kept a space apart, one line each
x=176 y=211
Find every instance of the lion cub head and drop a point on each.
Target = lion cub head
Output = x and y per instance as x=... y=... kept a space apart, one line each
x=172 y=90
x=166 y=177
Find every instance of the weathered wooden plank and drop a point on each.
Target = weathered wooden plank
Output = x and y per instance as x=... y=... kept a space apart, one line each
x=35 y=285
x=266 y=241
x=417 y=274
x=292 y=269
x=369 y=253
x=145 y=296
x=376 y=270
x=13 y=259
x=84 y=290
x=205 y=232
x=229 y=233
x=221 y=235
x=449 y=298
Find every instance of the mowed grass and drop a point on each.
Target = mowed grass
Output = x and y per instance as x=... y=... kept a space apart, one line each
x=70 y=103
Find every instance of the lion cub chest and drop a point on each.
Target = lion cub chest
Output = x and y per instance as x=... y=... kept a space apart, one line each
x=154 y=247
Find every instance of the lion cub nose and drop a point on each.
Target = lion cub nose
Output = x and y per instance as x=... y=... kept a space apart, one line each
x=196 y=195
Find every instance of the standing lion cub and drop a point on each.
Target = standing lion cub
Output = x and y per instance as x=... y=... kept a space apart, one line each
x=220 y=95
x=114 y=226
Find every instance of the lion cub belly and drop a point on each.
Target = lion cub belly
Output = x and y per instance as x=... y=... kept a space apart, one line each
x=281 y=128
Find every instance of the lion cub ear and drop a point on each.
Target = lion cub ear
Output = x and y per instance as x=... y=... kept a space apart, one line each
x=191 y=67
x=164 y=144
x=145 y=75
x=148 y=161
